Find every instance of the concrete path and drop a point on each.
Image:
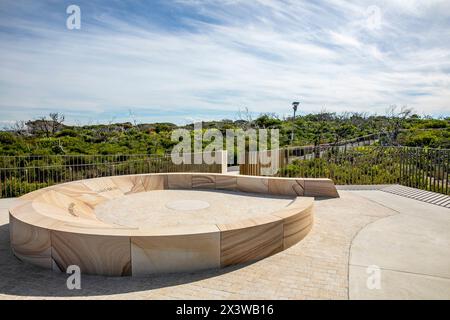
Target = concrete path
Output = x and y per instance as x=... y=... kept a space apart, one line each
x=411 y=248
x=407 y=239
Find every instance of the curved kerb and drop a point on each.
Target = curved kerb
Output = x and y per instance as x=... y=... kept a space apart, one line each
x=56 y=227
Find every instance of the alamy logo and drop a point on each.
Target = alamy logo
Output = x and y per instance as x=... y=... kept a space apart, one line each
x=251 y=146
x=74 y=280
x=74 y=19
x=374 y=278
x=373 y=20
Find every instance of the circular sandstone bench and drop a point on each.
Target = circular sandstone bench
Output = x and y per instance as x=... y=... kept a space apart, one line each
x=60 y=226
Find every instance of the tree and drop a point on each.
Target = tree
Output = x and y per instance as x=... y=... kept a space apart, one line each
x=343 y=131
x=320 y=128
x=267 y=120
x=395 y=120
x=39 y=126
x=19 y=127
x=244 y=118
x=57 y=120
x=44 y=126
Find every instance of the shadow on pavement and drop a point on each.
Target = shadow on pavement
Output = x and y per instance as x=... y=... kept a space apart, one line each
x=22 y=279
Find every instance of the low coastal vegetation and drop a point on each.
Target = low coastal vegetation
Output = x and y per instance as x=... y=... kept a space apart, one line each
x=48 y=151
x=52 y=136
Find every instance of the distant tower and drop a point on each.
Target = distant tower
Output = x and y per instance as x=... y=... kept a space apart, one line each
x=294 y=107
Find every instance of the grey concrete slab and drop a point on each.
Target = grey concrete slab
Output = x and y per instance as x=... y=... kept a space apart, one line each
x=412 y=248
x=5 y=203
x=405 y=243
x=397 y=285
x=406 y=205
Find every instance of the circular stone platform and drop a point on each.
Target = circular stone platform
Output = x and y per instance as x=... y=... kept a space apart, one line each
x=187 y=205
x=168 y=208
x=157 y=223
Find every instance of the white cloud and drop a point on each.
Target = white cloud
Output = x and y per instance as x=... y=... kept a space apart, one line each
x=344 y=40
x=260 y=55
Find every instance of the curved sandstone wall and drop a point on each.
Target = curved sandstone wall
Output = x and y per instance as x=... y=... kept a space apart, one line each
x=56 y=226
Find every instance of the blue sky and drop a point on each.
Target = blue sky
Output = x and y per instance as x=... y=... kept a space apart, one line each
x=183 y=61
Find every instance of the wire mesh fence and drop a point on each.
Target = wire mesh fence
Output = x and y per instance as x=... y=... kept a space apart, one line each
x=22 y=174
x=421 y=168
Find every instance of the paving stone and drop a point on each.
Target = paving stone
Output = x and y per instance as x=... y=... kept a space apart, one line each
x=315 y=268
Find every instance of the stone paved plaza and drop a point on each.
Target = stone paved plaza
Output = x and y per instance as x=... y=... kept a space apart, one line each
x=408 y=239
